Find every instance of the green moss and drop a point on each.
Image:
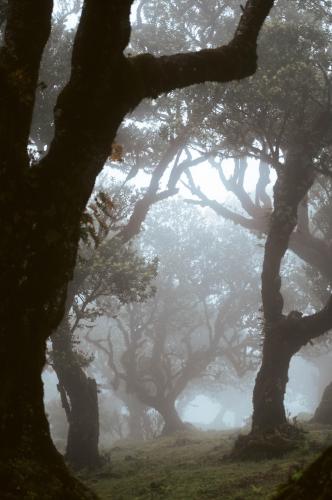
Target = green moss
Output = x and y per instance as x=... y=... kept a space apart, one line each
x=192 y=466
x=269 y=444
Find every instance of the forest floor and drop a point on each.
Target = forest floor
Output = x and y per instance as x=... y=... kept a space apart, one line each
x=191 y=466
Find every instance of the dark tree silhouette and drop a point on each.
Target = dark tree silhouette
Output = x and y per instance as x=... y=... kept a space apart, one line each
x=285 y=335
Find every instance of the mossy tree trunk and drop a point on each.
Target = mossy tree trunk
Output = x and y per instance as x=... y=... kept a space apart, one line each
x=29 y=462
x=79 y=396
x=285 y=335
x=270 y=386
x=282 y=340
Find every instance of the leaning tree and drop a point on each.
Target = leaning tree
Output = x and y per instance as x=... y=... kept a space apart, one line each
x=42 y=204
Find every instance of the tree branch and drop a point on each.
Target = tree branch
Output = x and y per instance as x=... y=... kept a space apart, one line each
x=317 y=324
x=230 y=62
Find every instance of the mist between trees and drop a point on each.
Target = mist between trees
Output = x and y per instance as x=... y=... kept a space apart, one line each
x=137 y=302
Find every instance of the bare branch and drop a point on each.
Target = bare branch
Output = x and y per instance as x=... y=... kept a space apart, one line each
x=317 y=324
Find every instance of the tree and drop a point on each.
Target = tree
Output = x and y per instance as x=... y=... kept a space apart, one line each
x=107 y=275
x=156 y=348
x=291 y=133
x=41 y=205
x=320 y=204
x=280 y=128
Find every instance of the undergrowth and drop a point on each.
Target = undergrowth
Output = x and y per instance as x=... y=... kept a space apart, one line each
x=191 y=466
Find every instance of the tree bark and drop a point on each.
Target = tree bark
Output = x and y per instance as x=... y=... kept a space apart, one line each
x=284 y=336
x=27 y=454
x=135 y=419
x=82 y=408
x=173 y=422
x=323 y=413
x=270 y=386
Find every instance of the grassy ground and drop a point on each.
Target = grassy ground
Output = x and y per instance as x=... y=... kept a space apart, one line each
x=191 y=466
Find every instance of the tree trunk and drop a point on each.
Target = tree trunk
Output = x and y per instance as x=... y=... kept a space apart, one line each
x=83 y=432
x=135 y=420
x=173 y=422
x=283 y=339
x=30 y=466
x=314 y=483
x=82 y=408
x=271 y=435
x=270 y=386
x=323 y=413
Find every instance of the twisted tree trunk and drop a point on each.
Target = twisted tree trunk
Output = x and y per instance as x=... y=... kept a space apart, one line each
x=29 y=462
x=285 y=335
x=173 y=422
x=82 y=408
x=282 y=340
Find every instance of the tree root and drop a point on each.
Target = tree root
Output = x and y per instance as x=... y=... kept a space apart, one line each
x=268 y=444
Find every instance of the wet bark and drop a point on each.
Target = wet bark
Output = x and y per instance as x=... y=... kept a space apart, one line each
x=79 y=397
x=27 y=454
x=271 y=381
x=323 y=413
x=284 y=336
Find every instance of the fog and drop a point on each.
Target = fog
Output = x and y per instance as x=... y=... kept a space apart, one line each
x=184 y=345
x=169 y=248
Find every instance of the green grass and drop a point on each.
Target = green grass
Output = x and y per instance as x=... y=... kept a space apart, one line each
x=191 y=466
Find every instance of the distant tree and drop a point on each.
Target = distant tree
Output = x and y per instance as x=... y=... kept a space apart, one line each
x=321 y=206
x=286 y=105
x=258 y=121
x=283 y=119
x=202 y=310
x=108 y=274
